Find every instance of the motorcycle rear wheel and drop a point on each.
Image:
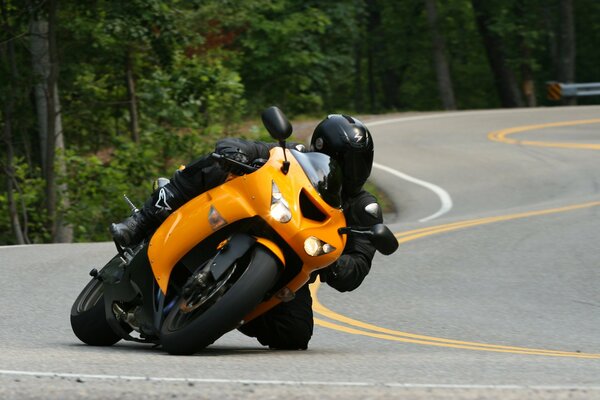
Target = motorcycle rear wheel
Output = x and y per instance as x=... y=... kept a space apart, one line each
x=88 y=319
x=226 y=312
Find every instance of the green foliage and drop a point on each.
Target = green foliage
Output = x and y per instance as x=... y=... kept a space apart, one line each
x=291 y=51
x=473 y=83
x=97 y=182
x=201 y=69
x=587 y=31
x=29 y=199
x=197 y=93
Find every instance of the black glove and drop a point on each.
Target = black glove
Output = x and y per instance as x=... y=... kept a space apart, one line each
x=330 y=273
x=234 y=153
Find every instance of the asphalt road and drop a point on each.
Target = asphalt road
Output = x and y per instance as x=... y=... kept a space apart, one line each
x=494 y=292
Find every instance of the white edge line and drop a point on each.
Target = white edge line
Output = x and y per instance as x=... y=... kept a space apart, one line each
x=447 y=114
x=445 y=198
x=294 y=383
x=428 y=116
x=15 y=246
x=446 y=206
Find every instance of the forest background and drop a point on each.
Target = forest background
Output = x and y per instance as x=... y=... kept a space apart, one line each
x=99 y=97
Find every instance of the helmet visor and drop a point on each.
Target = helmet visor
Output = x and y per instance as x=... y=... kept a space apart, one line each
x=356 y=168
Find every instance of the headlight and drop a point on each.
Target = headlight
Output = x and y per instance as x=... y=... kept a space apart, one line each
x=316 y=247
x=280 y=209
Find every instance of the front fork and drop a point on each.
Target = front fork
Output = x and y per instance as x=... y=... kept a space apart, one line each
x=129 y=288
x=128 y=280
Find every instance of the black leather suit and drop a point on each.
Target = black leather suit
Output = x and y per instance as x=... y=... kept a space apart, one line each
x=290 y=325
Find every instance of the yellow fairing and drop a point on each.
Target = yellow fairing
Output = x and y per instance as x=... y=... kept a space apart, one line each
x=245 y=197
x=273 y=248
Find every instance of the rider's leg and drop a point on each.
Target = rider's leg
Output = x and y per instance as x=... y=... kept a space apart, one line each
x=197 y=177
x=288 y=326
x=155 y=210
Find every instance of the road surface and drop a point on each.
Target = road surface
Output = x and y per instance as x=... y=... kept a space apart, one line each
x=494 y=291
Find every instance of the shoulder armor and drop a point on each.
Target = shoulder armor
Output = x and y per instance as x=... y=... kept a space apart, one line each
x=373 y=209
x=364 y=210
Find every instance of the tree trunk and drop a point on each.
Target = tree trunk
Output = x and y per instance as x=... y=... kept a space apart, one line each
x=45 y=65
x=38 y=32
x=373 y=23
x=359 y=95
x=371 y=80
x=7 y=54
x=506 y=84
x=134 y=128
x=390 y=89
x=439 y=57
x=567 y=46
x=549 y=17
x=10 y=176
x=527 y=77
x=528 y=86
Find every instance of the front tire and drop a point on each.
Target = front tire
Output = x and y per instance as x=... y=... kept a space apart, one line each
x=88 y=319
x=226 y=313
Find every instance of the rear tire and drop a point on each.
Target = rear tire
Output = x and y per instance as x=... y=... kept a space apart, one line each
x=226 y=313
x=88 y=317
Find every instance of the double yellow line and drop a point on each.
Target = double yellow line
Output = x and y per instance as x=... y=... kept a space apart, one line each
x=501 y=135
x=419 y=233
x=356 y=327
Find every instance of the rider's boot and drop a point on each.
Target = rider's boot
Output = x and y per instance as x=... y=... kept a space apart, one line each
x=141 y=224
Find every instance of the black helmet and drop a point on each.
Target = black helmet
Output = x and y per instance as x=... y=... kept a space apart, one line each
x=349 y=142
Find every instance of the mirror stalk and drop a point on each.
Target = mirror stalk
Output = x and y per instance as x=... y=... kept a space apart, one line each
x=279 y=128
x=379 y=235
x=286 y=164
x=347 y=229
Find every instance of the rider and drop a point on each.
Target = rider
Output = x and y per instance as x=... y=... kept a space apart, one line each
x=347 y=140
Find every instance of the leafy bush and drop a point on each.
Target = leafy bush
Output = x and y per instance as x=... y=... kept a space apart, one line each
x=29 y=198
x=97 y=182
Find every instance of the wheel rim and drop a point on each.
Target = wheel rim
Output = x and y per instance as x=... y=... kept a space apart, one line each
x=90 y=296
x=192 y=305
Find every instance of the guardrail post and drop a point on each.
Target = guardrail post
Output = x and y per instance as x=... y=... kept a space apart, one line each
x=558 y=91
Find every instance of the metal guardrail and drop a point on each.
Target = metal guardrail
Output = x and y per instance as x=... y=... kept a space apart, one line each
x=557 y=90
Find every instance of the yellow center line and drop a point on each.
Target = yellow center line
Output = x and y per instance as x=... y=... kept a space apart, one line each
x=500 y=136
x=357 y=327
x=389 y=334
x=456 y=344
x=407 y=236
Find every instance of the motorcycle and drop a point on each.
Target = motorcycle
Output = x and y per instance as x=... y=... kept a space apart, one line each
x=226 y=256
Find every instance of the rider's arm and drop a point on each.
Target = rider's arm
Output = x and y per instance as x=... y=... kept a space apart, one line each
x=252 y=150
x=204 y=173
x=355 y=263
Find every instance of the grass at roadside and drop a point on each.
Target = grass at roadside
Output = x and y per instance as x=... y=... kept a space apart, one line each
x=382 y=198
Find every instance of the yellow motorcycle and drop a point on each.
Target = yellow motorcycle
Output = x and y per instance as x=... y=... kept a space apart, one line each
x=225 y=257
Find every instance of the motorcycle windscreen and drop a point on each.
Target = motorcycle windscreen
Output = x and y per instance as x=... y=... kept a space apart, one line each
x=324 y=173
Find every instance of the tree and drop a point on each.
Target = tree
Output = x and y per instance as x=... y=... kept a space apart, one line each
x=299 y=55
x=506 y=84
x=153 y=83
x=439 y=57
x=9 y=68
x=44 y=52
x=525 y=39
x=567 y=46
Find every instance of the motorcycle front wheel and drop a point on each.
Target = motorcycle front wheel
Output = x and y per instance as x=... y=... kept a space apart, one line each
x=88 y=319
x=186 y=330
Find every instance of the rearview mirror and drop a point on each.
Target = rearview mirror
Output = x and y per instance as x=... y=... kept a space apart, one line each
x=276 y=123
x=383 y=239
x=379 y=235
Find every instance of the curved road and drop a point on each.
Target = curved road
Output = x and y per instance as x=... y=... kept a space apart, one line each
x=494 y=291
